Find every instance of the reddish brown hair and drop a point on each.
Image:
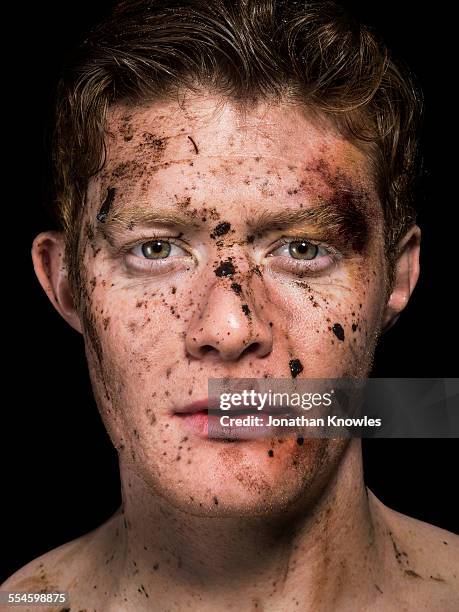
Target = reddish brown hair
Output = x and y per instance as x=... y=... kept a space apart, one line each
x=313 y=53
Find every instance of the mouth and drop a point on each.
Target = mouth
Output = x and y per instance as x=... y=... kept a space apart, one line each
x=204 y=418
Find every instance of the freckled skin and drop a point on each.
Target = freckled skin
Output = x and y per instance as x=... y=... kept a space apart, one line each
x=226 y=306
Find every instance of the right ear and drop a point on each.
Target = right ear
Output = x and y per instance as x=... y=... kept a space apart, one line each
x=51 y=270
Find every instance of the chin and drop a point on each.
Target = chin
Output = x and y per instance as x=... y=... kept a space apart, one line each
x=243 y=479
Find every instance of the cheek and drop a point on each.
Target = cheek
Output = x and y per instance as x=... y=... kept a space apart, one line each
x=133 y=333
x=141 y=333
x=332 y=325
x=138 y=348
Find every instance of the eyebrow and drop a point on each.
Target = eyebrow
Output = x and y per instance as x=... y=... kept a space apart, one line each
x=342 y=219
x=143 y=214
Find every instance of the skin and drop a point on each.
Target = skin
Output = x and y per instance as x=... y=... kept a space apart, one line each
x=205 y=524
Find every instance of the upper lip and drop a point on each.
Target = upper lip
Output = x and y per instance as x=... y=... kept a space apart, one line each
x=197 y=406
x=214 y=403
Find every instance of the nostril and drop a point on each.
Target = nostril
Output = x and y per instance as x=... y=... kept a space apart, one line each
x=207 y=348
x=253 y=347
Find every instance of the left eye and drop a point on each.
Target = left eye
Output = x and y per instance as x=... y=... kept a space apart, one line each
x=301 y=250
x=156 y=249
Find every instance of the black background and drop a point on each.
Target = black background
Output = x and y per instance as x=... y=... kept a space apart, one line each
x=59 y=469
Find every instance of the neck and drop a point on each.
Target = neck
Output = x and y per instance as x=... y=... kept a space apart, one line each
x=326 y=554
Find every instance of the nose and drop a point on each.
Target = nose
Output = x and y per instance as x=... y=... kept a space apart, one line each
x=227 y=326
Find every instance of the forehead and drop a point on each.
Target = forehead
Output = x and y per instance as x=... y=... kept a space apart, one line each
x=203 y=144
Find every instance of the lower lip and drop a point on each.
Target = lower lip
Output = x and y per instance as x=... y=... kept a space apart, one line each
x=198 y=422
x=208 y=426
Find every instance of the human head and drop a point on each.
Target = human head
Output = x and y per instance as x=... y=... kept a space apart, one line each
x=245 y=75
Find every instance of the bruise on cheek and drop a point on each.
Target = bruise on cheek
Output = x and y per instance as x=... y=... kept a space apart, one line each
x=106 y=205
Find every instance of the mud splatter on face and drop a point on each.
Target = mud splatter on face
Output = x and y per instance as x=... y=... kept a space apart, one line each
x=106 y=205
x=226 y=268
x=140 y=337
x=338 y=330
x=296 y=367
x=126 y=129
x=153 y=142
x=221 y=229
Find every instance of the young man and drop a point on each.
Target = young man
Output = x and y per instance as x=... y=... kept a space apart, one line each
x=233 y=184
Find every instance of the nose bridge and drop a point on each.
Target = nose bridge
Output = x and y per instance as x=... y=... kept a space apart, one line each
x=227 y=321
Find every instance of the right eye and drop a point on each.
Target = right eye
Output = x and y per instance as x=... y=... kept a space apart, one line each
x=156 y=249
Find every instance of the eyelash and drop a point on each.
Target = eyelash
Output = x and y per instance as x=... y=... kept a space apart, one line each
x=167 y=263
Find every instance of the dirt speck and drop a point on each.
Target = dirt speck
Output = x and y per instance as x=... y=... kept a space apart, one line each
x=225 y=268
x=412 y=573
x=338 y=330
x=106 y=205
x=296 y=367
x=221 y=229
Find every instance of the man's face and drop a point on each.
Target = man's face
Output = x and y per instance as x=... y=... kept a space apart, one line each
x=203 y=269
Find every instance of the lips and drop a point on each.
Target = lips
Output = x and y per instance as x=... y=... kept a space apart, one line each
x=203 y=419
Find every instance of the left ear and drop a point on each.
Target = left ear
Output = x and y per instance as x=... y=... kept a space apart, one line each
x=406 y=275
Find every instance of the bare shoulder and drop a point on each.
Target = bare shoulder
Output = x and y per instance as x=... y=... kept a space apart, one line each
x=73 y=567
x=424 y=560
